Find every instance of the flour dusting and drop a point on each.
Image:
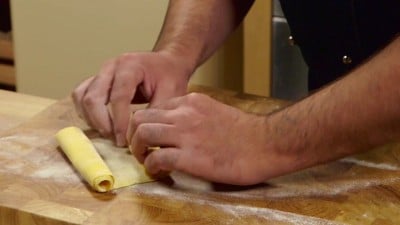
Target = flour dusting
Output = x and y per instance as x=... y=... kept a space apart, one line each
x=59 y=172
x=234 y=210
x=23 y=155
x=15 y=146
x=271 y=214
x=16 y=167
x=311 y=189
x=382 y=166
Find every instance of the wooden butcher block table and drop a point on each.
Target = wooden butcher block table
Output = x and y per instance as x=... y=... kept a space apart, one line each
x=39 y=186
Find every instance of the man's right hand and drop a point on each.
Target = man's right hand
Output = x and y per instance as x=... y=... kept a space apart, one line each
x=104 y=100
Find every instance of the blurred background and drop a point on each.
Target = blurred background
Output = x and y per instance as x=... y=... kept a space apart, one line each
x=47 y=47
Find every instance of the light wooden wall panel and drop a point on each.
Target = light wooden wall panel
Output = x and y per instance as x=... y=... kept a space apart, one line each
x=59 y=43
x=257 y=49
x=7 y=71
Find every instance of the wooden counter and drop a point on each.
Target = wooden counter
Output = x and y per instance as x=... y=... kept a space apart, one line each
x=16 y=108
x=38 y=185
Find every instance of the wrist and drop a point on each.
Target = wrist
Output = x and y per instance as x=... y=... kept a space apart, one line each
x=183 y=61
x=285 y=154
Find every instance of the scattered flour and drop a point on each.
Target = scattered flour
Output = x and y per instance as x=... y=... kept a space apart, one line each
x=59 y=172
x=271 y=214
x=311 y=189
x=15 y=146
x=187 y=182
x=33 y=161
x=236 y=211
x=18 y=138
x=382 y=166
x=26 y=140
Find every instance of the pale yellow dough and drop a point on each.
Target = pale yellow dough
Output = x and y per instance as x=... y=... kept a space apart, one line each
x=103 y=166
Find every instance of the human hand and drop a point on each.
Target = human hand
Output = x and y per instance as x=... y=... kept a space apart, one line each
x=104 y=100
x=205 y=138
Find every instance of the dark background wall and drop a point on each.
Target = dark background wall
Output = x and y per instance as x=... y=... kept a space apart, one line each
x=5 y=19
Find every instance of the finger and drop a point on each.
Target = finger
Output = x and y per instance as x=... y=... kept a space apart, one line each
x=96 y=98
x=119 y=113
x=130 y=130
x=77 y=97
x=161 y=160
x=150 y=135
x=176 y=159
x=147 y=116
x=124 y=87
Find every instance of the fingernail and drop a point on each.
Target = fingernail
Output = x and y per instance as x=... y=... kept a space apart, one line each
x=120 y=141
x=130 y=149
x=103 y=133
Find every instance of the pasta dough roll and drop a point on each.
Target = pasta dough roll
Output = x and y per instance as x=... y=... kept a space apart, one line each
x=83 y=155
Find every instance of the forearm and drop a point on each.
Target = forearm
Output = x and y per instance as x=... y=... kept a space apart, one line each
x=194 y=29
x=354 y=114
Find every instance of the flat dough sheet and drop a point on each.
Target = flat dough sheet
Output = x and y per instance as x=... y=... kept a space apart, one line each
x=124 y=166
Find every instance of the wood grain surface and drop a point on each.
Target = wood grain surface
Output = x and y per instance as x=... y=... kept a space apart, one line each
x=39 y=186
x=16 y=108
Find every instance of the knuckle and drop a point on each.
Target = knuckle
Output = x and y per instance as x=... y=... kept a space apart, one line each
x=137 y=118
x=185 y=115
x=106 y=65
x=148 y=133
x=126 y=57
x=118 y=130
x=193 y=95
x=142 y=133
x=89 y=100
x=108 y=62
x=194 y=98
x=76 y=95
x=121 y=88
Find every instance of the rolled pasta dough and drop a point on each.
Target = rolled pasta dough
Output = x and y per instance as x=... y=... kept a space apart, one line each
x=102 y=165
